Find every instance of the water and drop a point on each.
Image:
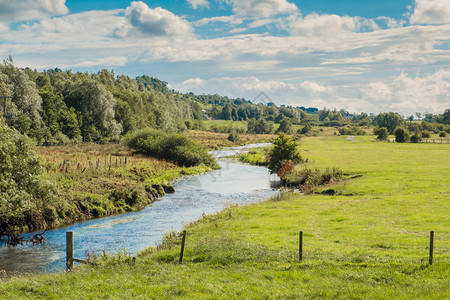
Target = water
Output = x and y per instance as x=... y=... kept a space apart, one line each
x=205 y=194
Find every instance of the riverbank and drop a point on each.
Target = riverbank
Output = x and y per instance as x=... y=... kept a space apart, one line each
x=94 y=180
x=368 y=242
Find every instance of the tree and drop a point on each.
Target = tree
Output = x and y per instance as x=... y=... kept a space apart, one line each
x=226 y=112
x=284 y=149
x=95 y=106
x=381 y=132
x=24 y=193
x=25 y=104
x=446 y=117
x=259 y=127
x=401 y=135
x=389 y=120
x=285 y=126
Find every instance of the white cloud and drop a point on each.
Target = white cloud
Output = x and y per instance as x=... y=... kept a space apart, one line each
x=147 y=22
x=263 y=8
x=431 y=12
x=233 y=20
x=322 y=25
x=197 y=3
x=21 y=10
x=314 y=88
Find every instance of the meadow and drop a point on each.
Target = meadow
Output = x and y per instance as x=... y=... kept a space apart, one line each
x=369 y=241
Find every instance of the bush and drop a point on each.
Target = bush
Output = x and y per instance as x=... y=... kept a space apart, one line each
x=426 y=134
x=175 y=147
x=415 y=138
x=284 y=149
x=381 y=132
x=234 y=137
x=442 y=134
x=401 y=135
x=24 y=194
x=351 y=131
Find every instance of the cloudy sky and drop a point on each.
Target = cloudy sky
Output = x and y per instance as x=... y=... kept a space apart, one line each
x=360 y=55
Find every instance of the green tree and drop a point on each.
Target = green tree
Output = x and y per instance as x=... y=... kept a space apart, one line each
x=25 y=104
x=285 y=126
x=381 y=132
x=389 y=120
x=284 y=149
x=95 y=106
x=259 y=127
x=24 y=194
x=401 y=135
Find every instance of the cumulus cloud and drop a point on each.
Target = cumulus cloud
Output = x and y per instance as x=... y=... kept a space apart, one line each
x=431 y=12
x=144 y=21
x=197 y=3
x=12 y=11
x=263 y=8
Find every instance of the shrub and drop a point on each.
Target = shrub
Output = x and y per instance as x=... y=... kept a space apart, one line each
x=175 y=147
x=351 y=131
x=401 y=135
x=381 y=132
x=426 y=134
x=415 y=138
x=442 y=134
x=234 y=137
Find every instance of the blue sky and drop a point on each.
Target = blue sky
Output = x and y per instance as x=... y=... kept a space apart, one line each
x=370 y=56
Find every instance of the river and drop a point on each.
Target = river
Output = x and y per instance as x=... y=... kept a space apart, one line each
x=234 y=183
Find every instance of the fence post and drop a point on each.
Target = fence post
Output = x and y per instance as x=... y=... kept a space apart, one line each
x=183 y=241
x=69 y=250
x=431 y=246
x=300 y=247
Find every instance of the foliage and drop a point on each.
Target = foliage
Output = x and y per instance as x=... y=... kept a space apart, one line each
x=389 y=120
x=401 y=135
x=307 y=179
x=351 y=131
x=174 y=147
x=442 y=134
x=25 y=105
x=260 y=126
x=381 y=132
x=96 y=109
x=25 y=196
x=285 y=126
x=234 y=137
x=284 y=149
x=426 y=134
x=415 y=138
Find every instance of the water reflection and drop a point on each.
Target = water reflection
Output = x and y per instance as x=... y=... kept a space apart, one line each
x=205 y=194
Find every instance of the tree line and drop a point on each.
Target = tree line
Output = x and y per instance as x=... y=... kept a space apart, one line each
x=59 y=107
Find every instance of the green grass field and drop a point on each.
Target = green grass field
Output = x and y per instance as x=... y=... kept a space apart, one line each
x=369 y=242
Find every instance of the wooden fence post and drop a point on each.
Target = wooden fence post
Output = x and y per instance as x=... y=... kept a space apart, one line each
x=69 y=250
x=431 y=246
x=183 y=241
x=300 y=247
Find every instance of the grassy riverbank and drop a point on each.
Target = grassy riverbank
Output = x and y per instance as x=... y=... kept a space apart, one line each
x=368 y=242
x=94 y=180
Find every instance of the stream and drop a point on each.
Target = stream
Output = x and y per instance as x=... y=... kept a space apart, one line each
x=209 y=193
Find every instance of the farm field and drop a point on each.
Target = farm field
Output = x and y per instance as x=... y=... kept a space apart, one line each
x=369 y=241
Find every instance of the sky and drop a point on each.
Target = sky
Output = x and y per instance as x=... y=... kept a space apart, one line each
x=357 y=55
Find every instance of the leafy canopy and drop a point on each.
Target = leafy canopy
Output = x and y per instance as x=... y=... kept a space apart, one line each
x=284 y=149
